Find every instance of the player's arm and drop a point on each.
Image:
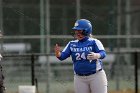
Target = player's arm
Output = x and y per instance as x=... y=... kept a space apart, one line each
x=99 y=51
x=64 y=54
x=99 y=48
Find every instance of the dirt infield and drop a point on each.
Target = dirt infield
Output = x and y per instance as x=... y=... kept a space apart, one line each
x=123 y=91
x=113 y=91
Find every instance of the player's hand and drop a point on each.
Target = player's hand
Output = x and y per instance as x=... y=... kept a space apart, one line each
x=92 y=56
x=57 y=50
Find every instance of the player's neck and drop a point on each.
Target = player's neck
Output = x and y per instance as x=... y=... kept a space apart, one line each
x=84 y=39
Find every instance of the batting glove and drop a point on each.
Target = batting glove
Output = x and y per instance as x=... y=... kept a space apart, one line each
x=93 y=56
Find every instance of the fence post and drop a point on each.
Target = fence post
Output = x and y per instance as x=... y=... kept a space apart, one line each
x=32 y=70
x=136 y=71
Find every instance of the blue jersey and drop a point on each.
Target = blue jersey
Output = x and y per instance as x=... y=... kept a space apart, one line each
x=79 y=49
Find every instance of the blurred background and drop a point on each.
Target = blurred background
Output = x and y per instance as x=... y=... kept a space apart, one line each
x=31 y=28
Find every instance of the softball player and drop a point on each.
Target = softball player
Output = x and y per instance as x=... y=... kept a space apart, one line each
x=87 y=54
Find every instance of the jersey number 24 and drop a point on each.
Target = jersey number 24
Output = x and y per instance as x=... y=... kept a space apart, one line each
x=80 y=56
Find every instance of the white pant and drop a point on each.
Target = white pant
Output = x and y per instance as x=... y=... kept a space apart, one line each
x=96 y=83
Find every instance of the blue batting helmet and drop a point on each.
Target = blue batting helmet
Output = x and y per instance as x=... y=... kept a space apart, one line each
x=84 y=25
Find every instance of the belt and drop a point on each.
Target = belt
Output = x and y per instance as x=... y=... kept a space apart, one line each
x=88 y=74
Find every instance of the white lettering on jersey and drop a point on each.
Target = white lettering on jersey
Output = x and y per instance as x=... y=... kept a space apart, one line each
x=81 y=49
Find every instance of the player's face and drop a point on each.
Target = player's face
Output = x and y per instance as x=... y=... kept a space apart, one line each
x=78 y=34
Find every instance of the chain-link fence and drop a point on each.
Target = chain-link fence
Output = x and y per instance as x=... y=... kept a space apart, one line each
x=51 y=76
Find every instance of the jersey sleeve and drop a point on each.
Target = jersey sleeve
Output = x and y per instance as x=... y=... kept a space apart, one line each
x=99 y=48
x=65 y=53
